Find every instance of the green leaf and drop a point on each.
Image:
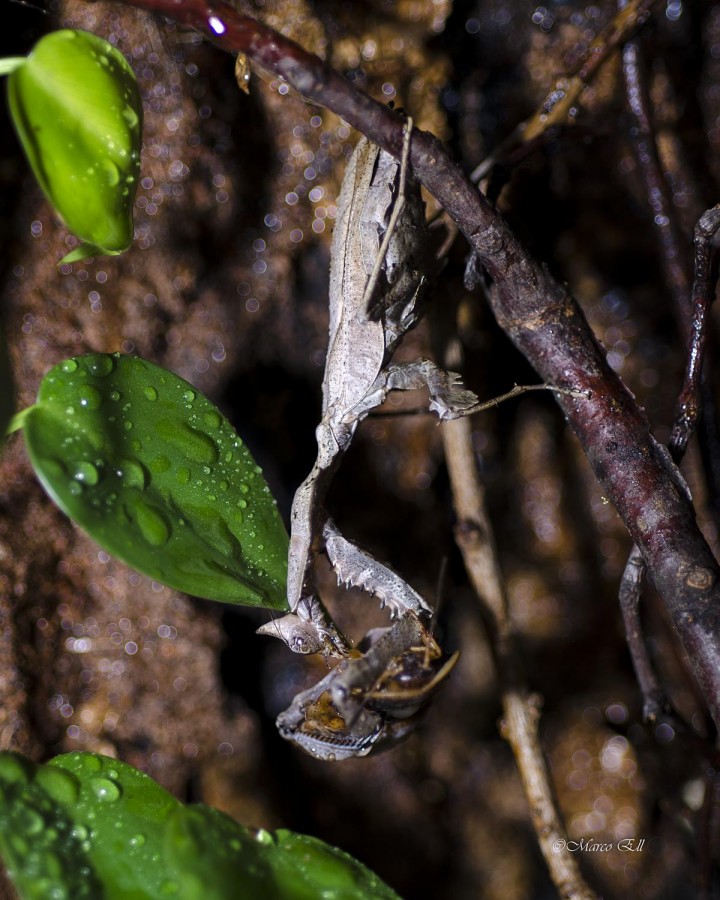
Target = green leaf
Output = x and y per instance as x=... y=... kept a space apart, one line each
x=87 y=826
x=40 y=847
x=120 y=813
x=159 y=478
x=76 y=108
x=306 y=868
x=8 y=64
x=210 y=857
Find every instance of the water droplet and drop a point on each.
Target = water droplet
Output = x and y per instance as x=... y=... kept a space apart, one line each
x=112 y=173
x=13 y=769
x=150 y=392
x=132 y=474
x=160 y=464
x=19 y=844
x=152 y=524
x=101 y=365
x=264 y=837
x=127 y=425
x=242 y=503
x=216 y=25
x=137 y=840
x=223 y=485
x=183 y=476
x=80 y=832
x=189 y=396
x=90 y=397
x=29 y=821
x=194 y=444
x=69 y=365
x=115 y=395
x=74 y=489
x=212 y=419
x=244 y=488
x=87 y=764
x=228 y=455
x=61 y=785
x=131 y=117
x=87 y=473
x=104 y=789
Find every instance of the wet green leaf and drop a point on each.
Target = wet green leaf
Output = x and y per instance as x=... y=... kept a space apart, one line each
x=88 y=826
x=159 y=478
x=120 y=814
x=305 y=868
x=76 y=108
x=211 y=857
x=39 y=845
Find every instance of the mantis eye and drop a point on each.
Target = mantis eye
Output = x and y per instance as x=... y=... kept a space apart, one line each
x=76 y=108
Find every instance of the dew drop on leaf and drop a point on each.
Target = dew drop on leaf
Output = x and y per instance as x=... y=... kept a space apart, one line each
x=150 y=392
x=87 y=473
x=90 y=397
x=100 y=365
x=160 y=464
x=192 y=443
x=104 y=789
x=60 y=785
x=132 y=474
x=152 y=524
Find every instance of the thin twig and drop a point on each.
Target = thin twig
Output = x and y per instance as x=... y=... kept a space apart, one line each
x=521 y=710
x=673 y=254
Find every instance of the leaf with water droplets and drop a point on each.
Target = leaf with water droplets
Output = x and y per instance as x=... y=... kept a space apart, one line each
x=42 y=853
x=122 y=450
x=88 y=826
x=209 y=856
x=76 y=108
x=306 y=868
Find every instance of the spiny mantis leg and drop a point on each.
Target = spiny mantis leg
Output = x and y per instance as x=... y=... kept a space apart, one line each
x=355 y=568
x=687 y=413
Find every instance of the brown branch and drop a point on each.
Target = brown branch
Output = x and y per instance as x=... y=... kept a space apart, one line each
x=546 y=325
x=521 y=710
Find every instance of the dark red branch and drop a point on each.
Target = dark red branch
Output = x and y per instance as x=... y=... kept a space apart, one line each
x=546 y=325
